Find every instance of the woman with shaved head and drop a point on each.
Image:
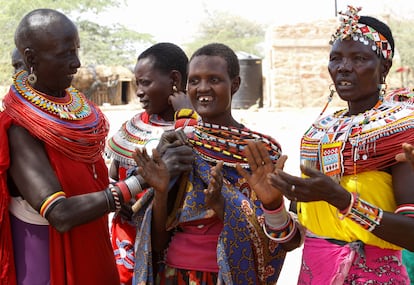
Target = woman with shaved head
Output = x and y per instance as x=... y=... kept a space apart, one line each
x=54 y=194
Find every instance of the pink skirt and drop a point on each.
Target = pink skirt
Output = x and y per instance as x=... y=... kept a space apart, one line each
x=325 y=262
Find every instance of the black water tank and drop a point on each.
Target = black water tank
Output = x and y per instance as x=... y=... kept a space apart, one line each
x=251 y=87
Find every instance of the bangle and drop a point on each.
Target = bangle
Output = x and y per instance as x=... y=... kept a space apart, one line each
x=276 y=219
x=110 y=202
x=406 y=210
x=345 y=212
x=133 y=185
x=52 y=206
x=117 y=200
x=48 y=203
x=125 y=192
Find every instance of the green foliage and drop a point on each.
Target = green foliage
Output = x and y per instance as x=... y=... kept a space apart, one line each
x=238 y=33
x=99 y=44
x=114 y=45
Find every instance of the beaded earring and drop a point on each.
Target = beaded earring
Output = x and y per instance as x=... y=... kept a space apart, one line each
x=332 y=91
x=32 y=78
x=382 y=88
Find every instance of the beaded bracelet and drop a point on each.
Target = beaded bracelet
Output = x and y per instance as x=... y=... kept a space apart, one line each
x=282 y=235
x=365 y=214
x=49 y=203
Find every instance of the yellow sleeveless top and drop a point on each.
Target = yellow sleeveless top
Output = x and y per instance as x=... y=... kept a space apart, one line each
x=322 y=219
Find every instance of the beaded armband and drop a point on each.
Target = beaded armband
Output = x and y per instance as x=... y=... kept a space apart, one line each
x=363 y=213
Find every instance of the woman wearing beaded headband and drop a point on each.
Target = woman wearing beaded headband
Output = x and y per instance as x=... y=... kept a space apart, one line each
x=210 y=221
x=161 y=77
x=354 y=198
x=54 y=194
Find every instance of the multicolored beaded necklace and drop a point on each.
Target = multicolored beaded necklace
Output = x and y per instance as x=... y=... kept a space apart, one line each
x=335 y=143
x=74 y=107
x=216 y=142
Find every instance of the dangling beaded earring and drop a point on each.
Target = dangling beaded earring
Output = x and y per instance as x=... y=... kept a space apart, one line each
x=382 y=88
x=331 y=94
x=32 y=78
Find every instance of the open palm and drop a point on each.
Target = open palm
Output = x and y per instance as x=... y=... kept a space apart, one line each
x=152 y=169
x=261 y=165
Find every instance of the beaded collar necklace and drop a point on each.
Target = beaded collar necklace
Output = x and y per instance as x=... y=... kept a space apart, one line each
x=135 y=133
x=335 y=143
x=80 y=137
x=71 y=107
x=216 y=142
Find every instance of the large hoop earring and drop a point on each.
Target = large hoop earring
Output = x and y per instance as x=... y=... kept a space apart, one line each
x=32 y=78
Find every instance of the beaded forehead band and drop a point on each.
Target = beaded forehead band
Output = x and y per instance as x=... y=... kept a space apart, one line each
x=350 y=28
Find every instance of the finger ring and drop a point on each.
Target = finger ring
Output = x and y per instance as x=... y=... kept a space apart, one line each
x=292 y=188
x=263 y=163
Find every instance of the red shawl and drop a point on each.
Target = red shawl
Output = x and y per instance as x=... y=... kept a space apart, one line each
x=82 y=255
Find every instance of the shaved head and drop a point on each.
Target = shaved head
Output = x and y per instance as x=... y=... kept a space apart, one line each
x=48 y=42
x=37 y=25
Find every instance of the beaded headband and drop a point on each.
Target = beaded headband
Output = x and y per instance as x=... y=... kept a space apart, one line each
x=350 y=28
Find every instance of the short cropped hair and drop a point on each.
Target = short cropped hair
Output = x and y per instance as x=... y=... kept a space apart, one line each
x=223 y=51
x=168 y=57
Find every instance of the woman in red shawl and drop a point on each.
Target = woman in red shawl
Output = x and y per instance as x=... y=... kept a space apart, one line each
x=54 y=188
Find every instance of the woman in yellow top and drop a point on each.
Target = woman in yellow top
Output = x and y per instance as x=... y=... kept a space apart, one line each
x=354 y=198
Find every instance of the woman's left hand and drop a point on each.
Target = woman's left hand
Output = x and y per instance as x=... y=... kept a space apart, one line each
x=315 y=187
x=261 y=165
